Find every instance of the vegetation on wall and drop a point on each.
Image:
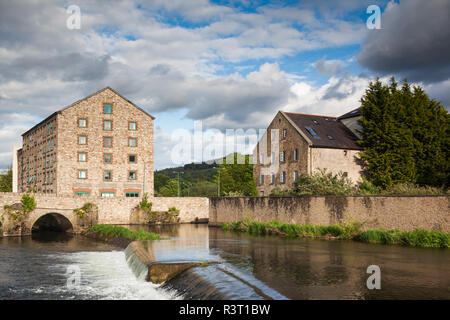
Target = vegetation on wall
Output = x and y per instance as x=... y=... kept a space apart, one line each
x=405 y=136
x=86 y=210
x=144 y=204
x=323 y=183
x=19 y=211
x=351 y=231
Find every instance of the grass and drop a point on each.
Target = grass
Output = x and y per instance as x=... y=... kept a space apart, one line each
x=117 y=231
x=416 y=238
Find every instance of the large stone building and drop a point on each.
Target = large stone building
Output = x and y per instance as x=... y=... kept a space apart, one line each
x=305 y=143
x=101 y=145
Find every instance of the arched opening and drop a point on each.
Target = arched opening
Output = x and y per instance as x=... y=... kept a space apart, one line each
x=52 y=222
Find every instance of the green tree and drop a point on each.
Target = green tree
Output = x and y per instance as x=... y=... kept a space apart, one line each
x=160 y=180
x=6 y=181
x=405 y=136
x=170 y=189
x=237 y=177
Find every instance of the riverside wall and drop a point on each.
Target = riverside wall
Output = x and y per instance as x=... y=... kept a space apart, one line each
x=373 y=212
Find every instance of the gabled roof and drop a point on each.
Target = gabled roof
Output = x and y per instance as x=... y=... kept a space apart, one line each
x=85 y=98
x=351 y=114
x=324 y=131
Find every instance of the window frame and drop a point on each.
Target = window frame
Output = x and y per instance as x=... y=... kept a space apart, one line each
x=85 y=156
x=136 y=194
x=107 y=192
x=136 y=142
x=82 y=144
x=104 y=154
x=86 y=174
x=111 y=176
x=111 y=126
x=105 y=137
x=135 y=125
x=135 y=158
x=135 y=175
x=78 y=122
x=104 y=105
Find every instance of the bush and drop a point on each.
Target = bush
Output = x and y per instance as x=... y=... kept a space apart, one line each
x=324 y=183
x=145 y=204
x=85 y=210
x=28 y=203
x=412 y=189
x=365 y=187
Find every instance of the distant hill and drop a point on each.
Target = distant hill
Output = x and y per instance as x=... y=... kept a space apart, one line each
x=196 y=179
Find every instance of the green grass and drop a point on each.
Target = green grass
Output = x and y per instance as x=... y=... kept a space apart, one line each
x=416 y=238
x=118 y=231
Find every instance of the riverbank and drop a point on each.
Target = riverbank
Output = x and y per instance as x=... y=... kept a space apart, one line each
x=118 y=236
x=415 y=238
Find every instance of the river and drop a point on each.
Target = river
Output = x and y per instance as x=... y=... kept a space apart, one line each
x=39 y=266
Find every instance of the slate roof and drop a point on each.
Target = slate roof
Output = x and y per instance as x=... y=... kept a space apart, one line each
x=351 y=114
x=330 y=131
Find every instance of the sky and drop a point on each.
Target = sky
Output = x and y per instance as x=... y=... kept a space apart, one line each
x=229 y=64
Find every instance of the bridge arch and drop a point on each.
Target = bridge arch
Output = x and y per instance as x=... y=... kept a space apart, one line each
x=52 y=221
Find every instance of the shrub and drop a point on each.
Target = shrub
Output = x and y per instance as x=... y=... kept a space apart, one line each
x=85 y=210
x=365 y=187
x=28 y=203
x=412 y=189
x=145 y=204
x=324 y=183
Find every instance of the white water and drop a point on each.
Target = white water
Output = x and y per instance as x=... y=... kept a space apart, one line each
x=104 y=275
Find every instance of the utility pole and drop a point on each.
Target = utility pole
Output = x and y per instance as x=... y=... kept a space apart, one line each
x=179 y=189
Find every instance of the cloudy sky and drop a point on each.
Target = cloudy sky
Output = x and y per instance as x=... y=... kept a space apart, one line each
x=231 y=64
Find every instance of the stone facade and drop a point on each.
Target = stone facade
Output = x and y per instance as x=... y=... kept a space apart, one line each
x=374 y=212
x=110 y=210
x=55 y=150
x=302 y=156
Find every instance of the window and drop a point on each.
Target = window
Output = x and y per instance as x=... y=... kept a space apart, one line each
x=82 y=140
x=107 y=125
x=296 y=154
x=82 y=193
x=132 y=126
x=82 y=156
x=132 y=142
x=107 y=142
x=262 y=193
x=132 y=158
x=107 y=158
x=131 y=194
x=316 y=122
x=331 y=137
x=131 y=175
x=107 y=175
x=312 y=132
x=262 y=179
x=107 y=194
x=283 y=156
x=295 y=176
x=82 y=174
x=284 y=133
x=283 y=177
x=82 y=123
x=107 y=108
x=273 y=178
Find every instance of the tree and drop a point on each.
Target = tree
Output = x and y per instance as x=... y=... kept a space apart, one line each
x=237 y=177
x=170 y=189
x=6 y=181
x=405 y=136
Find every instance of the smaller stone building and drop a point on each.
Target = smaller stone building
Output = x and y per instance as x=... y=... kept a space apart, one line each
x=296 y=144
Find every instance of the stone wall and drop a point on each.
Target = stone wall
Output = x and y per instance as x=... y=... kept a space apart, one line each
x=380 y=212
x=110 y=210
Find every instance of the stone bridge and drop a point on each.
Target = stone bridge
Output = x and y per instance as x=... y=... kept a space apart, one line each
x=57 y=211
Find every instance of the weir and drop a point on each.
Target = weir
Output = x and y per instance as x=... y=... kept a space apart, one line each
x=192 y=279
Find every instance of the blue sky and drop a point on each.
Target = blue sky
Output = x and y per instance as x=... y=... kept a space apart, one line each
x=229 y=64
